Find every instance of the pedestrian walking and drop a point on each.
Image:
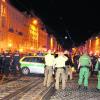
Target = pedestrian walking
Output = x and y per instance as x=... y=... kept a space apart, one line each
x=97 y=68
x=60 y=70
x=84 y=66
x=48 y=72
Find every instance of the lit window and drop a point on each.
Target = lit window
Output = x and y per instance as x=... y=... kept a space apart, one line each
x=97 y=41
x=3 y=0
x=3 y=12
x=51 y=42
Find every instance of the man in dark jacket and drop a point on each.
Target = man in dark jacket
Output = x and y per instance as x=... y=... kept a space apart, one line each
x=7 y=63
x=15 y=62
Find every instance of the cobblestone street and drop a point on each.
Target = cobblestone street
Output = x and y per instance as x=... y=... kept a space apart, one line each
x=73 y=93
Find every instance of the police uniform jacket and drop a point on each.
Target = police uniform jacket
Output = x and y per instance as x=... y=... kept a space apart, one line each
x=60 y=61
x=85 y=60
x=16 y=58
x=97 y=66
x=49 y=60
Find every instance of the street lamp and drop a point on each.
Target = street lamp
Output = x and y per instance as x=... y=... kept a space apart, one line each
x=66 y=37
x=35 y=22
x=10 y=45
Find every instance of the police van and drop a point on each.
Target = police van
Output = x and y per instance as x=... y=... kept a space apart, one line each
x=32 y=64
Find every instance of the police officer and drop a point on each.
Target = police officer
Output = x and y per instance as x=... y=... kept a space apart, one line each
x=84 y=65
x=7 y=63
x=60 y=70
x=75 y=59
x=15 y=62
x=1 y=61
x=49 y=62
x=94 y=61
x=68 y=64
x=97 y=68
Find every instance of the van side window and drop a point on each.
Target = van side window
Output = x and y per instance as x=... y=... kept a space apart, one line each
x=40 y=60
x=26 y=59
x=29 y=59
x=33 y=59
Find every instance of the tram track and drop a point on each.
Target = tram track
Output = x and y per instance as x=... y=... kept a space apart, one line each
x=32 y=89
x=14 y=88
x=6 y=80
x=25 y=88
x=37 y=92
x=21 y=91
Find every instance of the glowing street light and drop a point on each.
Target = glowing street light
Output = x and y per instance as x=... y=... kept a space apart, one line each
x=35 y=22
x=31 y=48
x=96 y=37
x=51 y=43
x=21 y=50
x=10 y=45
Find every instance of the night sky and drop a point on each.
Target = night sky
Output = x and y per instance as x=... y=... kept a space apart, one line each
x=77 y=20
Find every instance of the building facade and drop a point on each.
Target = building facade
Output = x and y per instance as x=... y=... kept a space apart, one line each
x=93 y=45
x=13 y=28
x=19 y=32
x=17 y=29
x=3 y=24
x=42 y=40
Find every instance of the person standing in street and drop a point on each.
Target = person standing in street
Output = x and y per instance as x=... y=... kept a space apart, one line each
x=68 y=64
x=49 y=62
x=97 y=68
x=84 y=66
x=1 y=62
x=15 y=63
x=60 y=70
x=7 y=64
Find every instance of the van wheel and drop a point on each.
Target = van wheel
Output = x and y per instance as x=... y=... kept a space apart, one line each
x=25 y=71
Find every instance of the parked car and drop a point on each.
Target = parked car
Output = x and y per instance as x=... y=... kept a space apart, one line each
x=32 y=64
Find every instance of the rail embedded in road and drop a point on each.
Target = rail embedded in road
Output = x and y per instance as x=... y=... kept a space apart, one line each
x=13 y=88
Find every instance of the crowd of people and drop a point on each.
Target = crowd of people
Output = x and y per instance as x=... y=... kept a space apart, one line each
x=9 y=63
x=58 y=66
x=61 y=66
